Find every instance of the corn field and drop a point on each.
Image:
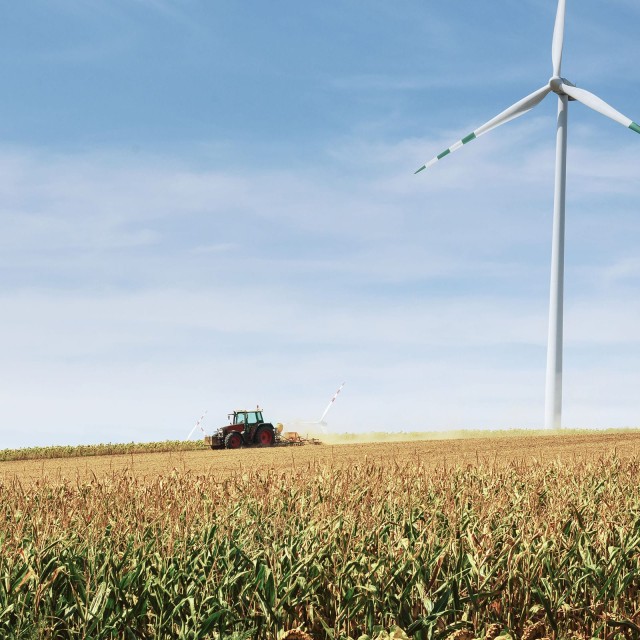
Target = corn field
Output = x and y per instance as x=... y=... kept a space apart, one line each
x=525 y=550
x=81 y=451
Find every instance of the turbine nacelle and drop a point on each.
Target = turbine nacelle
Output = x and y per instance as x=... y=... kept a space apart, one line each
x=557 y=84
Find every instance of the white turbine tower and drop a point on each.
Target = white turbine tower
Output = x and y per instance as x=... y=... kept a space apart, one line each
x=566 y=91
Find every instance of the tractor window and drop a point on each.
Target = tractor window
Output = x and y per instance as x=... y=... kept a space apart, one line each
x=253 y=417
x=240 y=418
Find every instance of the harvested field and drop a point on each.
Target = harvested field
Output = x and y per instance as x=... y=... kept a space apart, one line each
x=436 y=453
x=528 y=537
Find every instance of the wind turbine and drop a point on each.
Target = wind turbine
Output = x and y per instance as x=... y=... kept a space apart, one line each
x=333 y=399
x=198 y=424
x=566 y=91
x=321 y=423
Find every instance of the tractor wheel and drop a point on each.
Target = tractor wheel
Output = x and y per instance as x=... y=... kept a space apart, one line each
x=264 y=436
x=233 y=440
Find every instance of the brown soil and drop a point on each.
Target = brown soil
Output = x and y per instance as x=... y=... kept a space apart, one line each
x=439 y=453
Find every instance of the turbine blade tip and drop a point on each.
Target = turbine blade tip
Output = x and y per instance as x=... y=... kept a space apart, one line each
x=422 y=168
x=635 y=127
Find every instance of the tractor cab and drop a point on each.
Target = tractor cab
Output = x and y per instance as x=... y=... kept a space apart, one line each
x=246 y=417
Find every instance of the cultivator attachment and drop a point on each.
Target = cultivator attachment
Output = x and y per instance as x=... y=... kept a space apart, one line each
x=294 y=439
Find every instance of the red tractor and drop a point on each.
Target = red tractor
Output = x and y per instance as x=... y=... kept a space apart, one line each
x=246 y=429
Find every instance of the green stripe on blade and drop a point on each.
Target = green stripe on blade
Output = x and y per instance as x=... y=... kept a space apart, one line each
x=635 y=127
x=444 y=153
x=469 y=138
x=422 y=168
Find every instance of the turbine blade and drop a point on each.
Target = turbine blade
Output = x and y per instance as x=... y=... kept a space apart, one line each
x=558 y=38
x=514 y=111
x=597 y=104
x=333 y=399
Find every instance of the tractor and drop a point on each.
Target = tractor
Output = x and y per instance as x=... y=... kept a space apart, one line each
x=245 y=429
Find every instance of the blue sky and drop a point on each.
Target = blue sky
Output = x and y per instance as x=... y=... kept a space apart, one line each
x=208 y=205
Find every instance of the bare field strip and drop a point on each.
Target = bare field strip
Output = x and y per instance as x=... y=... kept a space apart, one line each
x=436 y=453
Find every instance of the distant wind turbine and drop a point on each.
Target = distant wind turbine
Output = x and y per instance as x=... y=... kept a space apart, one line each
x=333 y=399
x=566 y=92
x=321 y=423
x=198 y=424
